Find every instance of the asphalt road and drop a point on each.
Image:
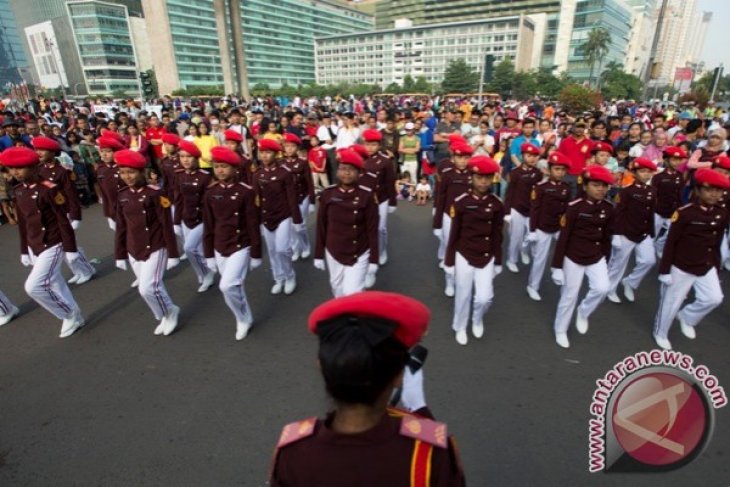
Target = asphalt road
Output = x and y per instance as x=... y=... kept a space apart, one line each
x=115 y=405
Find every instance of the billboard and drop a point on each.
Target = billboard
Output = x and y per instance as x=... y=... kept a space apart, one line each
x=683 y=79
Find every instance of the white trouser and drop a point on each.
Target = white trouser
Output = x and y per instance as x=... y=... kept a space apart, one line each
x=597 y=290
x=46 y=285
x=81 y=266
x=620 y=253
x=444 y=236
x=519 y=225
x=233 y=271
x=150 y=273
x=278 y=245
x=112 y=224
x=661 y=230
x=320 y=180
x=193 y=248
x=708 y=296
x=540 y=251
x=383 y=228
x=411 y=167
x=347 y=279
x=300 y=239
x=5 y=305
x=470 y=281
x=725 y=247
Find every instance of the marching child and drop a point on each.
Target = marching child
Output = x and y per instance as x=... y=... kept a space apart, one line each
x=107 y=175
x=8 y=310
x=668 y=185
x=304 y=187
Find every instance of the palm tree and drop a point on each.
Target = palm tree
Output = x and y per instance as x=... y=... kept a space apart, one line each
x=611 y=68
x=595 y=48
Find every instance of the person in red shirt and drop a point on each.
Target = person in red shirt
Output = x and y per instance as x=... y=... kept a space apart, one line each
x=153 y=135
x=577 y=147
x=317 y=158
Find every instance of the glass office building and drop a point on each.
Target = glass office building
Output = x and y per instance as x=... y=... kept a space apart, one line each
x=12 y=57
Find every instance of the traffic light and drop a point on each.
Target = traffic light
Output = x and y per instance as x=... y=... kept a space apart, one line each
x=146 y=81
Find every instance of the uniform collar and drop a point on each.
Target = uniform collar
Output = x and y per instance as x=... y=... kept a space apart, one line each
x=345 y=190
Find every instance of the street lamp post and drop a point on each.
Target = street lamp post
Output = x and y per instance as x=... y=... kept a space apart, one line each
x=49 y=47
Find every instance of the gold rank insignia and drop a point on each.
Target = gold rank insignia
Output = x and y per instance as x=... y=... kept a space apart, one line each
x=563 y=220
x=72 y=176
x=533 y=195
x=59 y=199
x=375 y=197
x=617 y=199
x=165 y=202
x=452 y=211
x=257 y=201
x=253 y=168
x=579 y=180
x=675 y=217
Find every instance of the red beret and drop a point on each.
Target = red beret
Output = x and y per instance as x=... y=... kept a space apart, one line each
x=109 y=143
x=456 y=137
x=189 y=147
x=360 y=149
x=602 y=147
x=723 y=162
x=483 y=165
x=559 y=159
x=45 y=143
x=462 y=149
x=709 y=177
x=225 y=155
x=598 y=173
x=642 y=163
x=292 y=139
x=112 y=134
x=410 y=315
x=349 y=156
x=18 y=157
x=372 y=135
x=528 y=148
x=675 y=152
x=171 y=139
x=130 y=158
x=233 y=135
x=269 y=144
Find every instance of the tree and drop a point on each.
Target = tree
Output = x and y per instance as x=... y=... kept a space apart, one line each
x=459 y=77
x=260 y=89
x=119 y=93
x=393 y=88
x=422 y=85
x=700 y=96
x=408 y=84
x=618 y=84
x=503 y=78
x=575 y=98
x=595 y=49
x=524 y=85
x=548 y=85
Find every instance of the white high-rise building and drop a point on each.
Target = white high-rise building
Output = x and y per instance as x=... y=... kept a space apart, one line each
x=642 y=35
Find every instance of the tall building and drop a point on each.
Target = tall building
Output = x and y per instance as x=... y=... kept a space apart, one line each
x=386 y=56
x=642 y=36
x=197 y=44
x=13 y=62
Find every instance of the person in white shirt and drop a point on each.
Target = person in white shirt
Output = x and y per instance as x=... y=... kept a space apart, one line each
x=481 y=141
x=349 y=133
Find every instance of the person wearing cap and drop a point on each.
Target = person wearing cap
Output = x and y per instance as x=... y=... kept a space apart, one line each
x=721 y=164
x=363 y=356
x=45 y=234
x=521 y=181
x=280 y=216
x=107 y=175
x=304 y=186
x=602 y=155
x=474 y=250
x=691 y=259
x=51 y=170
x=633 y=231
x=380 y=177
x=582 y=250
x=347 y=229
x=684 y=119
x=12 y=136
x=548 y=201
x=231 y=236
x=8 y=310
x=235 y=123
x=190 y=184
x=668 y=184
x=454 y=181
x=146 y=238
x=577 y=147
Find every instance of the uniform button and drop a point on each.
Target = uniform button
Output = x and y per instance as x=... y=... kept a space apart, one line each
x=599 y=229
x=355 y=211
x=598 y=243
x=486 y=255
x=238 y=231
x=263 y=211
x=43 y=229
x=236 y=213
x=354 y=241
x=147 y=229
x=354 y=226
x=148 y=246
x=143 y=212
x=239 y=246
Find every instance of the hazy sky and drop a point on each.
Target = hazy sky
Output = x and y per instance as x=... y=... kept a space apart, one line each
x=716 y=50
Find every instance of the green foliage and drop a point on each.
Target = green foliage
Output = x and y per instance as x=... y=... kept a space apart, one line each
x=260 y=89
x=459 y=77
x=117 y=94
x=199 y=91
x=723 y=85
x=393 y=88
x=503 y=78
x=547 y=84
x=408 y=84
x=595 y=48
x=617 y=84
x=575 y=98
x=422 y=85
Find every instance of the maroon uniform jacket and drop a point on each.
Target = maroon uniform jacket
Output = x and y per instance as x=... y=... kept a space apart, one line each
x=42 y=221
x=144 y=224
x=585 y=234
x=168 y=166
x=547 y=204
x=521 y=181
x=347 y=224
x=634 y=212
x=380 y=177
x=668 y=184
x=109 y=185
x=454 y=182
x=694 y=239
x=445 y=164
x=303 y=181
x=247 y=170
x=189 y=189
x=231 y=220
x=64 y=178
x=399 y=448
x=476 y=230
x=276 y=195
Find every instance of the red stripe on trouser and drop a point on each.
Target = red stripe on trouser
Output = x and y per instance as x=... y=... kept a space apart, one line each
x=48 y=287
x=159 y=272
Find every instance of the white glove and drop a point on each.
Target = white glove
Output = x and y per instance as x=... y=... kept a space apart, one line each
x=319 y=264
x=211 y=264
x=507 y=218
x=412 y=396
x=121 y=265
x=172 y=263
x=449 y=270
x=255 y=263
x=372 y=268
x=616 y=241
x=75 y=224
x=665 y=279
x=433 y=210
x=25 y=260
x=558 y=277
x=101 y=201
x=391 y=209
x=298 y=227
x=72 y=256
x=438 y=232
x=532 y=237
x=497 y=270
x=312 y=209
x=178 y=230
